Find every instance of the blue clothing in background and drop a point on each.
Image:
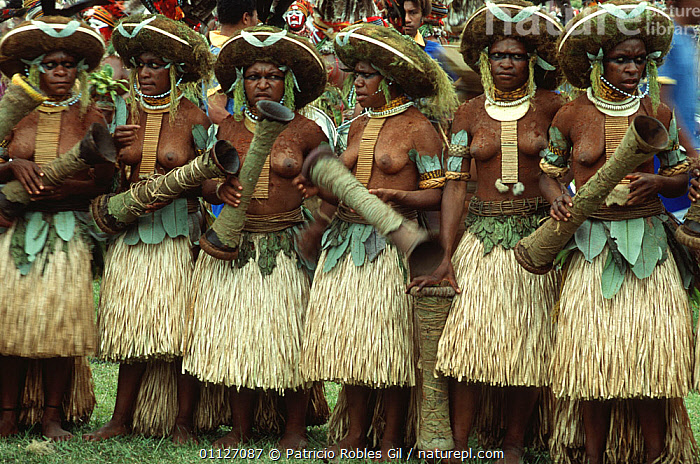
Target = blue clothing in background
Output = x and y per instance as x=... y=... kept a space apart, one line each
x=679 y=71
x=437 y=52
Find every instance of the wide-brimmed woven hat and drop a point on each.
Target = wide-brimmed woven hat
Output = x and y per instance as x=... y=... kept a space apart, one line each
x=31 y=39
x=599 y=28
x=396 y=56
x=166 y=38
x=272 y=45
x=519 y=20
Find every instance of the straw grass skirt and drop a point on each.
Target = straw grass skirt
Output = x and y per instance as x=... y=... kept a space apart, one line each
x=360 y=324
x=144 y=300
x=246 y=329
x=77 y=404
x=339 y=421
x=625 y=442
x=499 y=330
x=637 y=344
x=49 y=312
x=491 y=419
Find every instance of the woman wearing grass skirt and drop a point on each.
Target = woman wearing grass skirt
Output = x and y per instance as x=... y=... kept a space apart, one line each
x=147 y=280
x=498 y=332
x=624 y=350
x=360 y=323
x=46 y=306
x=249 y=313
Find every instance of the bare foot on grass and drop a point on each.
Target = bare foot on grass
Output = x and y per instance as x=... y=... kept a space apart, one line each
x=110 y=430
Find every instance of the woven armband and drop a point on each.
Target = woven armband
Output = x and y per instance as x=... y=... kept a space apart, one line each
x=680 y=168
x=552 y=171
x=458 y=151
x=452 y=175
x=432 y=179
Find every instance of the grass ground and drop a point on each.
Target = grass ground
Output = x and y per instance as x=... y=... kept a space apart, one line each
x=29 y=448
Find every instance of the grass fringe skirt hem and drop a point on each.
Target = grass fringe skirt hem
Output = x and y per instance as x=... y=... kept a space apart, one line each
x=144 y=300
x=360 y=324
x=499 y=330
x=50 y=311
x=625 y=443
x=639 y=344
x=78 y=403
x=246 y=329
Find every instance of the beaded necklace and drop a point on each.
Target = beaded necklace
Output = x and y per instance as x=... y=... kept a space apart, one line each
x=65 y=101
x=611 y=93
x=396 y=106
x=507 y=99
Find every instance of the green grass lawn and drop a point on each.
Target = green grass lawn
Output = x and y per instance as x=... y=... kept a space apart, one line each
x=134 y=449
x=29 y=447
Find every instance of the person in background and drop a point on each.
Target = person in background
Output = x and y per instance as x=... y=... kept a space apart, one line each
x=679 y=89
x=234 y=15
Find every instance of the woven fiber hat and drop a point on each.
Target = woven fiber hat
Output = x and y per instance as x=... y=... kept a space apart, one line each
x=598 y=29
x=169 y=39
x=519 y=20
x=31 y=39
x=397 y=57
x=272 y=45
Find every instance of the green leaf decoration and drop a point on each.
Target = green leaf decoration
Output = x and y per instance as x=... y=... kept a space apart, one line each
x=174 y=217
x=374 y=245
x=612 y=278
x=648 y=257
x=35 y=236
x=17 y=244
x=212 y=137
x=131 y=237
x=357 y=248
x=335 y=253
x=591 y=239
x=151 y=229
x=120 y=111
x=628 y=236
x=246 y=250
x=461 y=138
x=200 y=136
x=413 y=155
x=24 y=268
x=64 y=223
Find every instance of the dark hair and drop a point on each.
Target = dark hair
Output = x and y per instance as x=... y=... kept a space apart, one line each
x=425 y=6
x=231 y=11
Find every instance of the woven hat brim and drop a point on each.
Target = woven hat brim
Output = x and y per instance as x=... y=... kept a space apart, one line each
x=161 y=37
x=473 y=42
x=28 y=41
x=297 y=54
x=574 y=48
x=392 y=54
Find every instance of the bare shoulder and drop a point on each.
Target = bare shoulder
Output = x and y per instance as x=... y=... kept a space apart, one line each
x=465 y=113
x=548 y=101
x=663 y=113
x=229 y=128
x=570 y=114
x=193 y=114
x=312 y=135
